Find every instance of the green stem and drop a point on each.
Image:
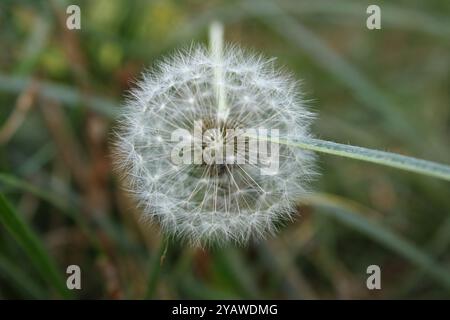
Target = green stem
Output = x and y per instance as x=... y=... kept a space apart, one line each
x=216 y=47
x=389 y=159
x=156 y=268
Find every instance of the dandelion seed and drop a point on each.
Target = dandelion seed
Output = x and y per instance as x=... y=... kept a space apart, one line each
x=213 y=203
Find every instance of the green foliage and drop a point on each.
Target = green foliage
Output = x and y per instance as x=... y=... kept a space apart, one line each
x=25 y=237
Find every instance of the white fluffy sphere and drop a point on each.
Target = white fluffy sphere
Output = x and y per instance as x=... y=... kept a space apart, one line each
x=209 y=203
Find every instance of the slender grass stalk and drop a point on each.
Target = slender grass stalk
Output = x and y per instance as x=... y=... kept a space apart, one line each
x=32 y=245
x=14 y=182
x=389 y=159
x=334 y=207
x=216 y=47
x=64 y=207
x=65 y=94
x=155 y=271
x=238 y=275
x=12 y=274
x=381 y=157
x=363 y=89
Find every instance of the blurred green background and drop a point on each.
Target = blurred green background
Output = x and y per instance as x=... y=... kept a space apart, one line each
x=387 y=89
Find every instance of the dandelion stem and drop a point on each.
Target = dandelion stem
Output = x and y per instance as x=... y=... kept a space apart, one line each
x=389 y=159
x=216 y=47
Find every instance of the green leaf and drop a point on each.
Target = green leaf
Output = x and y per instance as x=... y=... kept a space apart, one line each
x=28 y=240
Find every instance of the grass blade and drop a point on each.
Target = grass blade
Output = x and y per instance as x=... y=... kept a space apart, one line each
x=394 y=16
x=63 y=93
x=366 y=92
x=27 y=239
x=14 y=182
x=333 y=207
x=155 y=271
x=389 y=159
x=20 y=280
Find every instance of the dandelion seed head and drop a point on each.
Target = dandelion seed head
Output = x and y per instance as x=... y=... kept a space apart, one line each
x=214 y=203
